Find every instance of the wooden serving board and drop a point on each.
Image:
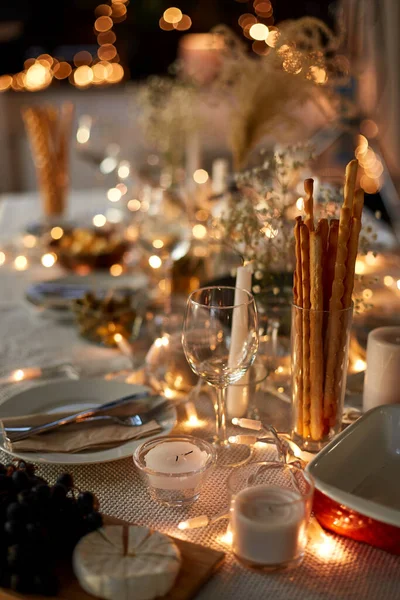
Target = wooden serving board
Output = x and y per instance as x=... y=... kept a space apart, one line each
x=198 y=565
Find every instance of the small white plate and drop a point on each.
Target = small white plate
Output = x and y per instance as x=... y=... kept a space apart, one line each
x=69 y=396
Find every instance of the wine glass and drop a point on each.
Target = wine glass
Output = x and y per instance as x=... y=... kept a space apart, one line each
x=220 y=341
x=164 y=232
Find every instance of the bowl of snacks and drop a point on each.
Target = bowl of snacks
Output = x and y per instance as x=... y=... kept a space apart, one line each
x=106 y=319
x=88 y=249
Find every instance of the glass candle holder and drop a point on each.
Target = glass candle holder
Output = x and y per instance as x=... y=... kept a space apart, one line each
x=320 y=343
x=270 y=508
x=241 y=396
x=175 y=468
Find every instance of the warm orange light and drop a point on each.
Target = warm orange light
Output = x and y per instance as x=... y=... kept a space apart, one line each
x=29 y=62
x=117 y=73
x=107 y=52
x=103 y=24
x=37 y=77
x=118 y=11
x=47 y=58
x=116 y=270
x=103 y=10
x=57 y=233
x=172 y=15
x=48 y=259
x=82 y=58
x=184 y=24
x=318 y=74
x=134 y=205
x=83 y=76
x=155 y=261
x=2 y=258
x=369 y=128
x=62 y=70
x=5 y=82
x=199 y=231
x=164 y=25
x=21 y=263
x=247 y=19
x=107 y=37
x=200 y=176
x=259 y=31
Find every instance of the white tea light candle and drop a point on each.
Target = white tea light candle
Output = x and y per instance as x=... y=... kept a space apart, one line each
x=382 y=377
x=174 y=458
x=175 y=468
x=268 y=525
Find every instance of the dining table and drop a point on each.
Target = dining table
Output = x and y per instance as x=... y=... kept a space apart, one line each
x=349 y=570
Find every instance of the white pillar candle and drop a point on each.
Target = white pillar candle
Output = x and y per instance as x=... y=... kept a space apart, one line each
x=173 y=458
x=219 y=175
x=268 y=525
x=237 y=399
x=382 y=377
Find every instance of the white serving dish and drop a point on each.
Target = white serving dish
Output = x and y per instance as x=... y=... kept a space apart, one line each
x=357 y=480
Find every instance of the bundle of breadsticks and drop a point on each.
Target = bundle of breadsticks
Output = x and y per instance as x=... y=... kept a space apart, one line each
x=49 y=132
x=326 y=254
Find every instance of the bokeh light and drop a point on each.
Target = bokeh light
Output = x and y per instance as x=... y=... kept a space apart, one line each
x=107 y=52
x=116 y=270
x=83 y=76
x=103 y=10
x=172 y=15
x=103 y=24
x=155 y=261
x=49 y=259
x=184 y=24
x=134 y=205
x=259 y=31
x=56 y=233
x=62 y=70
x=21 y=263
x=99 y=220
x=114 y=194
x=5 y=82
x=200 y=176
x=2 y=258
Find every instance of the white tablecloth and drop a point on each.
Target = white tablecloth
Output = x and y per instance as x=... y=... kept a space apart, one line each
x=352 y=571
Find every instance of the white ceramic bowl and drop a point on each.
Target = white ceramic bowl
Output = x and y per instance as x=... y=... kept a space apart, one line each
x=357 y=483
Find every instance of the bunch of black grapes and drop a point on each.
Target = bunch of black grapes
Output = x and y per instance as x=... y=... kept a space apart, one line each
x=39 y=525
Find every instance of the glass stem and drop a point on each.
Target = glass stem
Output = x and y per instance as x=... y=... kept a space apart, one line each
x=220 y=422
x=168 y=266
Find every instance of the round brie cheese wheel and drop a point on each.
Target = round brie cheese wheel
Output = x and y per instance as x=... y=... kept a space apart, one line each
x=126 y=562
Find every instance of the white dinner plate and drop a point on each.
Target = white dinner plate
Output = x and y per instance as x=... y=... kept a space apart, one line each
x=69 y=396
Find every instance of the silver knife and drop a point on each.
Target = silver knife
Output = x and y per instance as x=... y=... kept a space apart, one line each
x=81 y=416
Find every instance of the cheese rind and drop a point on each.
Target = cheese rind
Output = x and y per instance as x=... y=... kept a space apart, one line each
x=146 y=571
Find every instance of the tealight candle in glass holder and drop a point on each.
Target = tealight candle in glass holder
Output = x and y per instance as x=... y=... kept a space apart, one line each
x=270 y=509
x=175 y=467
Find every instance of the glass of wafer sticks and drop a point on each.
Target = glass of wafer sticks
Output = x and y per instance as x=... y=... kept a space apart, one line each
x=322 y=310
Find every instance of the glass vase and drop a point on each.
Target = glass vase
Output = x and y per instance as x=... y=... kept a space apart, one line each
x=319 y=347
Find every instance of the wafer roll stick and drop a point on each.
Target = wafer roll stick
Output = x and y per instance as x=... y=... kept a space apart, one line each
x=316 y=347
x=298 y=333
x=305 y=274
x=334 y=334
x=329 y=268
x=308 y=204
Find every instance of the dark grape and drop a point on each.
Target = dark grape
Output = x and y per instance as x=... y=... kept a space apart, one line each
x=25 y=496
x=46 y=584
x=58 y=493
x=6 y=484
x=23 y=583
x=20 y=480
x=86 y=502
x=41 y=492
x=94 y=520
x=17 y=511
x=66 y=480
x=14 y=530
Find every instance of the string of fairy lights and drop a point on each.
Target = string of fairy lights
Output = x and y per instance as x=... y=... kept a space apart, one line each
x=86 y=70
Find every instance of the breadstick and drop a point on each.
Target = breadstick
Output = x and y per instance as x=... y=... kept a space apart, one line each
x=350 y=183
x=316 y=348
x=298 y=333
x=305 y=274
x=353 y=248
x=308 y=204
x=334 y=334
x=329 y=268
